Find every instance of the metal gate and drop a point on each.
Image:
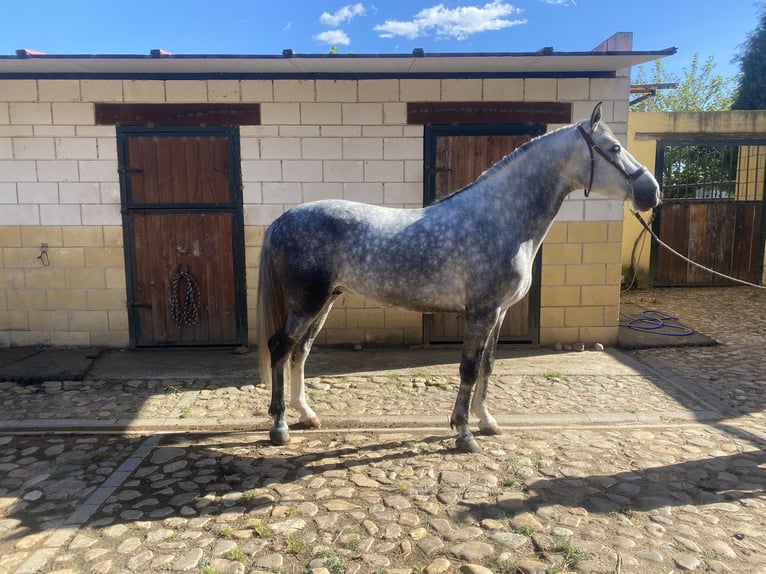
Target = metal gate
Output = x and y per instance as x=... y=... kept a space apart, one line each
x=184 y=236
x=712 y=211
x=456 y=156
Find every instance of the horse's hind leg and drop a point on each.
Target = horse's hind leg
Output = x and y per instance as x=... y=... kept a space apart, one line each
x=281 y=347
x=478 y=328
x=487 y=423
x=308 y=417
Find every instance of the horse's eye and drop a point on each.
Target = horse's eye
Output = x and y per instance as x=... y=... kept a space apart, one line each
x=616 y=148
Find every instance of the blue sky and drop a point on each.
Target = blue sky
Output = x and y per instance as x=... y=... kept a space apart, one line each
x=258 y=27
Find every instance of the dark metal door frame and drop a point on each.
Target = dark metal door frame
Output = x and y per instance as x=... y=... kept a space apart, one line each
x=430 y=134
x=233 y=207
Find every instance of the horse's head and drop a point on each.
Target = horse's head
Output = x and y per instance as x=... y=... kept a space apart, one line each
x=612 y=170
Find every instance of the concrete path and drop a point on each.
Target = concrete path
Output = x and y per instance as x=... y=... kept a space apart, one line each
x=153 y=461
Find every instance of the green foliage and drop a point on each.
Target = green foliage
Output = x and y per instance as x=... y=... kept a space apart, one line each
x=700 y=89
x=751 y=82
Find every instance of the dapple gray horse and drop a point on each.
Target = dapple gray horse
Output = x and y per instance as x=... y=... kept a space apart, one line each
x=471 y=252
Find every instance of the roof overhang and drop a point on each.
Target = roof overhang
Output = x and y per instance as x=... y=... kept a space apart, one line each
x=161 y=65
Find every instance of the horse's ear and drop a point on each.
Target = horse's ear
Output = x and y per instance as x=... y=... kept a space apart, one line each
x=595 y=117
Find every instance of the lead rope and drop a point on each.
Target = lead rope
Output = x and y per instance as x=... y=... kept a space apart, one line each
x=188 y=314
x=685 y=258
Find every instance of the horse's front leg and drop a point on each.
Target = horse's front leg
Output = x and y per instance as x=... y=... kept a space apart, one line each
x=477 y=331
x=487 y=423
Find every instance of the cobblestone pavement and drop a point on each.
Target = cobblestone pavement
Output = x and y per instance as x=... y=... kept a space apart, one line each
x=611 y=462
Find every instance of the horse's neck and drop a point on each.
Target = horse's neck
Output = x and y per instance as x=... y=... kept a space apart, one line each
x=537 y=181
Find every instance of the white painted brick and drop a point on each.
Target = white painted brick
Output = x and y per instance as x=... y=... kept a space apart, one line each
x=98 y=170
x=343 y=170
x=413 y=170
x=378 y=90
x=402 y=148
x=301 y=170
x=48 y=131
x=73 y=113
x=57 y=170
x=363 y=114
x=280 y=113
x=101 y=90
x=571 y=210
x=382 y=131
x=294 y=90
x=258 y=131
x=5 y=117
x=603 y=209
x=609 y=88
x=18 y=170
x=262 y=170
x=36 y=192
x=571 y=89
x=461 y=90
x=395 y=113
x=280 y=148
x=321 y=148
x=580 y=110
x=384 y=171
x=420 y=90
x=250 y=148
x=282 y=193
x=262 y=214
x=106 y=148
x=362 y=148
x=78 y=192
x=101 y=215
x=8 y=193
x=321 y=113
x=33 y=148
x=110 y=192
x=76 y=148
x=503 y=90
x=16 y=131
x=6 y=148
x=335 y=91
x=29 y=113
x=402 y=193
x=19 y=90
x=143 y=90
x=316 y=191
x=252 y=192
x=337 y=131
x=20 y=215
x=364 y=192
x=223 y=91
x=60 y=215
x=186 y=91
x=540 y=90
x=96 y=132
x=58 y=90
x=257 y=90
x=296 y=131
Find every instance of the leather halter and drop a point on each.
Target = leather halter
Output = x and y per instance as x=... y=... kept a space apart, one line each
x=592 y=146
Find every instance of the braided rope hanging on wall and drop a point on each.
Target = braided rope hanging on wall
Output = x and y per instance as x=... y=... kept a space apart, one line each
x=187 y=314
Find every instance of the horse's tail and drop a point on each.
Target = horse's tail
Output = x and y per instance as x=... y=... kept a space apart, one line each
x=272 y=309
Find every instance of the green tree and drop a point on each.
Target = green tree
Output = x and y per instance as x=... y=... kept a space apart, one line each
x=700 y=89
x=751 y=82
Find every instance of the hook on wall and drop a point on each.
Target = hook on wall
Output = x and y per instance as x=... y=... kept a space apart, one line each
x=43 y=257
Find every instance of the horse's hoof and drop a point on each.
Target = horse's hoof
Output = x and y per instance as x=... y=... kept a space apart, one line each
x=311 y=423
x=491 y=430
x=279 y=436
x=467 y=444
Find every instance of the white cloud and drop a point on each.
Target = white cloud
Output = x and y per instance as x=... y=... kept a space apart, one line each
x=333 y=37
x=457 y=23
x=345 y=14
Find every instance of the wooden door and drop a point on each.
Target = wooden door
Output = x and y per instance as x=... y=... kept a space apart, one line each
x=459 y=160
x=184 y=236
